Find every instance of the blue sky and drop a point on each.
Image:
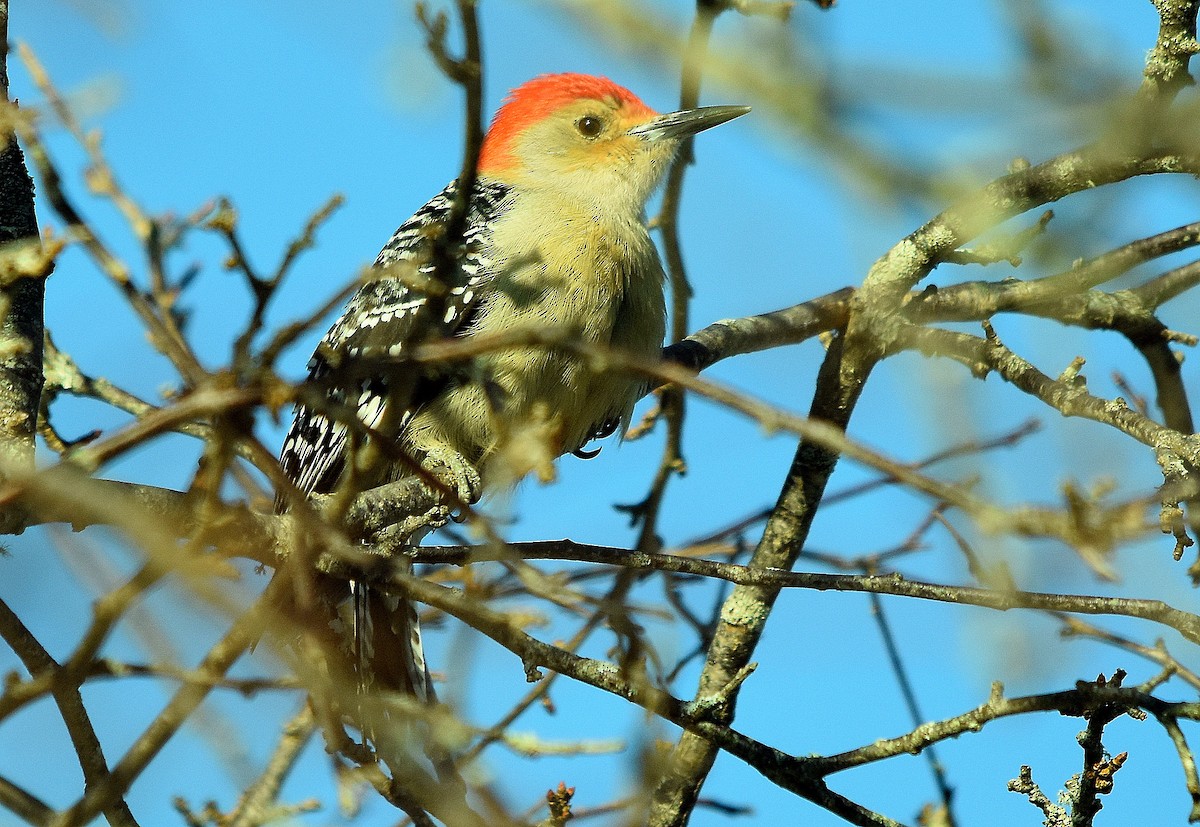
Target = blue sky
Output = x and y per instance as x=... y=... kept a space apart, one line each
x=278 y=106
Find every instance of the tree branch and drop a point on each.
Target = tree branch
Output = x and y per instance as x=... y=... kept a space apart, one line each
x=74 y=715
x=22 y=295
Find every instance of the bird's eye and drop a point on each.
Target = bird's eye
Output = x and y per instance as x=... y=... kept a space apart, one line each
x=589 y=126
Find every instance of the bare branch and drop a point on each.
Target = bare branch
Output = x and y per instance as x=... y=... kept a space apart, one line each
x=109 y=790
x=258 y=805
x=21 y=299
x=24 y=804
x=1166 y=71
x=1186 y=623
x=70 y=705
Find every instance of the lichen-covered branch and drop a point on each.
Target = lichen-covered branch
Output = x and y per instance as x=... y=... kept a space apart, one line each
x=22 y=293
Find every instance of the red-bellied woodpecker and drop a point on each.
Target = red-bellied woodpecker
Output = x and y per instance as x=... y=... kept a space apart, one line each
x=554 y=237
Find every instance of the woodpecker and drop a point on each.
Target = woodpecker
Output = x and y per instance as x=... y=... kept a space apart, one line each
x=554 y=237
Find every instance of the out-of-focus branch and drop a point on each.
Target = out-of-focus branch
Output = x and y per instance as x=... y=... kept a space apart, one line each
x=1178 y=454
x=703 y=717
x=20 y=801
x=164 y=332
x=262 y=288
x=246 y=687
x=873 y=325
x=791 y=87
x=673 y=405
x=102 y=795
x=467 y=72
x=377 y=507
x=257 y=805
x=541 y=691
x=74 y=715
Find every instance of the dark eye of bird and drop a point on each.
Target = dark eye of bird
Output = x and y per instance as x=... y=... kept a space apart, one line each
x=589 y=126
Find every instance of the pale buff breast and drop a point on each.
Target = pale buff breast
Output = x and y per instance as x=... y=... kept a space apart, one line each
x=571 y=277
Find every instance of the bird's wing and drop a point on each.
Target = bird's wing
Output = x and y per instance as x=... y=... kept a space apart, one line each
x=380 y=320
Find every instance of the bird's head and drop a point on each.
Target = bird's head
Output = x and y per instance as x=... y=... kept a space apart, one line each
x=588 y=140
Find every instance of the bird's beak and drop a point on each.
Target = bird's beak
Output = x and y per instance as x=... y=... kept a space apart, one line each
x=686 y=122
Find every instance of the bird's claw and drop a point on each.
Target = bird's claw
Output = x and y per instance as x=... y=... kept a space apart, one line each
x=436 y=517
x=454 y=471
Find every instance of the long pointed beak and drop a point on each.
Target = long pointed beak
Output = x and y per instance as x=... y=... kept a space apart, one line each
x=686 y=122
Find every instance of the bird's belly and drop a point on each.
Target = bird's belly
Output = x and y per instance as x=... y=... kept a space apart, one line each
x=523 y=406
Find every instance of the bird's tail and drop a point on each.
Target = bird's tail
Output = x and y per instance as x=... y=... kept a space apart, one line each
x=389 y=655
x=362 y=633
x=386 y=644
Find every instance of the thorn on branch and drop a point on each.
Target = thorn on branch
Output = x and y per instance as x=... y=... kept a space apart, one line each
x=533 y=673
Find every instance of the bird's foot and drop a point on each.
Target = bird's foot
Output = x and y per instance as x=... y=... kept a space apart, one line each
x=454 y=471
x=435 y=517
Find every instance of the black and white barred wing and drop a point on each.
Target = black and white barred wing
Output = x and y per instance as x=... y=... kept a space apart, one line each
x=382 y=318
